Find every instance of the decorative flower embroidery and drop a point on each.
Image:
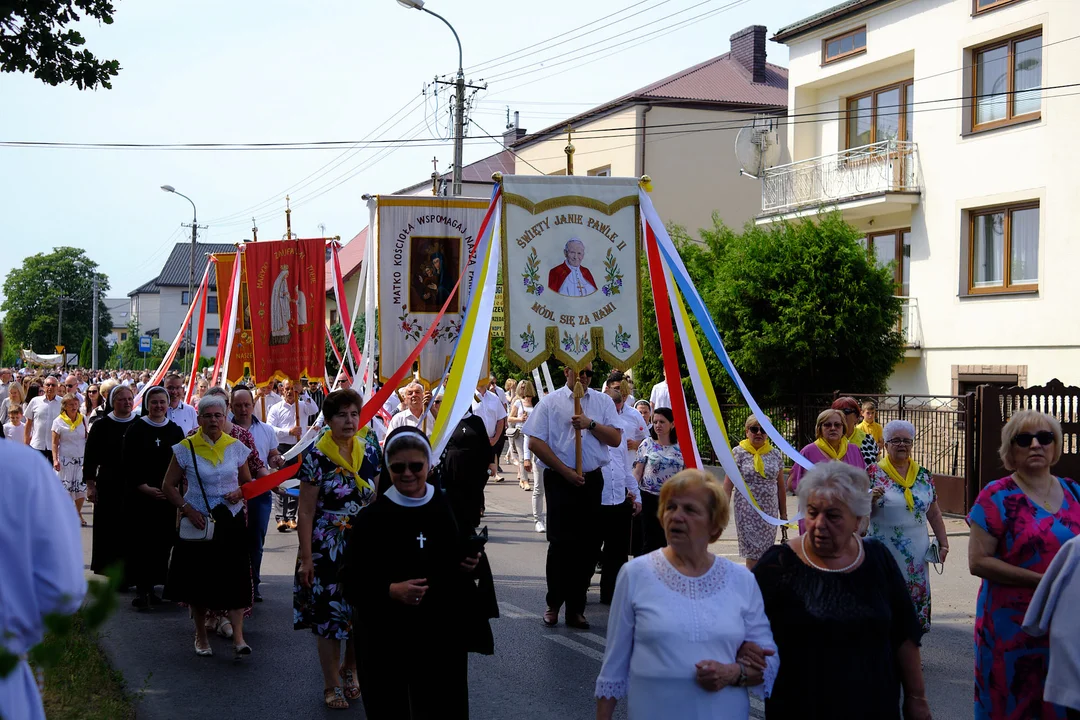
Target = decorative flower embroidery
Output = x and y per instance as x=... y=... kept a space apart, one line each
x=577 y=343
x=409 y=328
x=612 y=274
x=621 y=343
x=528 y=339
x=531 y=276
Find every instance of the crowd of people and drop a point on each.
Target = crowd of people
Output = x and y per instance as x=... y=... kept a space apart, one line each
x=825 y=624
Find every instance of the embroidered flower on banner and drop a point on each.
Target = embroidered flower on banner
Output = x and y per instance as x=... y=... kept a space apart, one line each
x=409 y=328
x=613 y=275
x=621 y=343
x=528 y=339
x=531 y=276
x=577 y=343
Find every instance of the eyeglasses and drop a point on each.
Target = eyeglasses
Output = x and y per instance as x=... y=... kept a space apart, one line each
x=414 y=467
x=213 y=416
x=1045 y=437
x=832 y=425
x=71 y=385
x=900 y=441
x=92 y=392
x=756 y=429
x=849 y=411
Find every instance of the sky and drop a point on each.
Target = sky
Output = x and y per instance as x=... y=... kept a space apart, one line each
x=257 y=71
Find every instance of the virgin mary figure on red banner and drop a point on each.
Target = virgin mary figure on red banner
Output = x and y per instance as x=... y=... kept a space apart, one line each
x=287 y=295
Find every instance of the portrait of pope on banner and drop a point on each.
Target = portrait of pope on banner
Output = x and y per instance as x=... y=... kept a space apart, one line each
x=571 y=278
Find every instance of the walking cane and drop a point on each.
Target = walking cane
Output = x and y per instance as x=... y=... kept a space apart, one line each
x=579 y=392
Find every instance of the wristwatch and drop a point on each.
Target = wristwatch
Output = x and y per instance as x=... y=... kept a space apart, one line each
x=592 y=425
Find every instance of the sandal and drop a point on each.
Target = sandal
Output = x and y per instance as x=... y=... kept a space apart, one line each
x=224 y=628
x=526 y=487
x=335 y=699
x=350 y=687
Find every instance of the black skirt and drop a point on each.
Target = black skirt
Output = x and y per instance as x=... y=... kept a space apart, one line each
x=215 y=575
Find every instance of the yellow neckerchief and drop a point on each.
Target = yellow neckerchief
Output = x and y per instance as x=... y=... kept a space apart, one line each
x=857 y=436
x=214 y=453
x=758 y=453
x=329 y=448
x=826 y=448
x=72 y=424
x=874 y=429
x=905 y=482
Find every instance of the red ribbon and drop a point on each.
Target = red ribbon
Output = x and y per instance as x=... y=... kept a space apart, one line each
x=341 y=300
x=664 y=326
x=269 y=482
x=220 y=371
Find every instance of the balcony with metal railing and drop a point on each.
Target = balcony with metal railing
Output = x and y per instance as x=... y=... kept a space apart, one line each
x=911 y=326
x=864 y=181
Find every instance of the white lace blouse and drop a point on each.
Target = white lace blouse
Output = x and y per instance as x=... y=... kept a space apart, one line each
x=218 y=480
x=663 y=623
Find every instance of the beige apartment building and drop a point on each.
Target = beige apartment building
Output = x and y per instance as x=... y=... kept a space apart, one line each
x=940 y=128
x=680 y=131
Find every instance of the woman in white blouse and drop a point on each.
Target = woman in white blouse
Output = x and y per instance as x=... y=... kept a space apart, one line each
x=687 y=634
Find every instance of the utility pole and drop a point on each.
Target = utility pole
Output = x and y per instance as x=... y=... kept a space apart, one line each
x=459 y=122
x=94 y=328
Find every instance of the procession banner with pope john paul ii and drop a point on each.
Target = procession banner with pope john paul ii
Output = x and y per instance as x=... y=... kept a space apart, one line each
x=424 y=247
x=286 y=287
x=571 y=254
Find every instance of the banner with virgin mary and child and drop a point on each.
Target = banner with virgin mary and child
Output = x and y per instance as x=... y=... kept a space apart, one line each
x=286 y=289
x=425 y=245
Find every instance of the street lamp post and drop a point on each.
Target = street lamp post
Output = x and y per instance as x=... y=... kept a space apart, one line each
x=459 y=99
x=191 y=262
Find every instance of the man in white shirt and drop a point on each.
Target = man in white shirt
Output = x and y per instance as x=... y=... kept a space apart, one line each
x=40 y=414
x=41 y=568
x=82 y=381
x=621 y=500
x=282 y=417
x=492 y=411
x=71 y=385
x=179 y=411
x=660 y=397
x=573 y=498
x=413 y=414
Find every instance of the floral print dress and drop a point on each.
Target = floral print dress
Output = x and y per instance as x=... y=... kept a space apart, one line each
x=1010 y=665
x=323 y=607
x=755 y=535
x=904 y=532
x=661 y=462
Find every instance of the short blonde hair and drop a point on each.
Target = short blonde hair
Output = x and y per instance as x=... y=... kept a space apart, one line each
x=823 y=416
x=689 y=480
x=1028 y=421
x=106 y=388
x=70 y=397
x=525 y=389
x=751 y=419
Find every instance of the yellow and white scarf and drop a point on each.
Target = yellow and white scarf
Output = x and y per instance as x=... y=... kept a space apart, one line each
x=329 y=448
x=71 y=424
x=907 y=482
x=826 y=448
x=214 y=453
x=758 y=453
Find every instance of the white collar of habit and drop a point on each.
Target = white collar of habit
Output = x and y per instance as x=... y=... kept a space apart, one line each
x=398 y=499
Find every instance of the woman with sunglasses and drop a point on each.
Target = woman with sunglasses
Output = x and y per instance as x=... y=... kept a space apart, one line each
x=1018 y=524
x=409 y=575
x=762 y=467
x=338 y=478
x=93 y=400
x=904 y=501
x=855 y=434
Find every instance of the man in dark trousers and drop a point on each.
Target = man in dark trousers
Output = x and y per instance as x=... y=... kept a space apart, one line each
x=573 y=498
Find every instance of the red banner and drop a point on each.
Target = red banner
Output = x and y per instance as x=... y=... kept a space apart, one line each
x=241 y=357
x=286 y=288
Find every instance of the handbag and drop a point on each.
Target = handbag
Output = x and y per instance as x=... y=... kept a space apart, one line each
x=933 y=555
x=188 y=531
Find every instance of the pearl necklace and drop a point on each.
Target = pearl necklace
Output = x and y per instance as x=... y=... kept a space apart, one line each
x=855 y=562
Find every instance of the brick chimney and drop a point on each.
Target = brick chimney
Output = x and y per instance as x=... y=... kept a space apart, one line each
x=748 y=49
x=513 y=132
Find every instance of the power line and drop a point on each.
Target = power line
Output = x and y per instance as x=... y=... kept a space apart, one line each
x=510 y=149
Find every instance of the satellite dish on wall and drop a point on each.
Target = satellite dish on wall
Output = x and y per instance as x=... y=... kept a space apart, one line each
x=757 y=147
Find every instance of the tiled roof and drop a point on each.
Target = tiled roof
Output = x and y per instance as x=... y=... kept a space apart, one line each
x=150 y=287
x=175 y=271
x=829 y=15
x=350 y=255
x=721 y=81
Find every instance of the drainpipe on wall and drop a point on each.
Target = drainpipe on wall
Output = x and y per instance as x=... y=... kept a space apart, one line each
x=642 y=112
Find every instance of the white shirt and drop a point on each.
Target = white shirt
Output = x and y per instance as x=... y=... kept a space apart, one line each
x=183 y=415
x=272 y=399
x=1053 y=610
x=41 y=567
x=634 y=430
x=405 y=417
x=283 y=418
x=550 y=422
x=491 y=410
x=16 y=432
x=42 y=412
x=617 y=477
x=72 y=442
x=501 y=393
x=660 y=397
x=217 y=480
x=82 y=387
x=265 y=439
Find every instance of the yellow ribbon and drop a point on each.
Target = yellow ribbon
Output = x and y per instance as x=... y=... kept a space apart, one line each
x=72 y=424
x=329 y=448
x=907 y=482
x=829 y=452
x=758 y=453
x=214 y=453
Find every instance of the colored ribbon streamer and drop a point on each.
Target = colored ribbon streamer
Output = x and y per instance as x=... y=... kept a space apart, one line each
x=667 y=352
x=697 y=306
x=221 y=367
x=269 y=482
x=201 y=328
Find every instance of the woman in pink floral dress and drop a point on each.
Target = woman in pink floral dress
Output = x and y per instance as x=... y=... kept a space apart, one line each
x=1018 y=524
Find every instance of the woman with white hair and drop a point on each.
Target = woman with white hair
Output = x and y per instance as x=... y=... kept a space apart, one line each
x=840 y=611
x=904 y=501
x=212 y=574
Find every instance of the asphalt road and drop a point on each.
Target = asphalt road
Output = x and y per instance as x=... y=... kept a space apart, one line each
x=536 y=672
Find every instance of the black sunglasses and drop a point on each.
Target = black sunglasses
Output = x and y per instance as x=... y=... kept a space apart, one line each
x=1045 y=437
x=850 y=411
x=587 y=373
x=414 y=467
x=755 y=429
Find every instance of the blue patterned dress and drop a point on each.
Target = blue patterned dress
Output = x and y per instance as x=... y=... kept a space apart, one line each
x=322 y=607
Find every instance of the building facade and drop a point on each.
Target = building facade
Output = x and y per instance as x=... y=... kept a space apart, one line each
x=937 y=127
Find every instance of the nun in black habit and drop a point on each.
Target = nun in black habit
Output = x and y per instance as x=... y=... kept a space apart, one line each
x=410 y=576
